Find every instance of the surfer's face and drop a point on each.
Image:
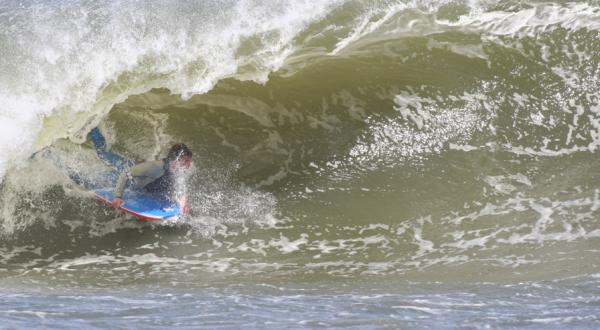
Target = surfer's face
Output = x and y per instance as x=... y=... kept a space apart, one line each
x=182 y=163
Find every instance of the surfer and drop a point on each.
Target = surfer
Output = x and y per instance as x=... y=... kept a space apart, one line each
x=156 y=177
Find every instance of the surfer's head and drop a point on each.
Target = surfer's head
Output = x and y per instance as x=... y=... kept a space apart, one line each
x=179 y=157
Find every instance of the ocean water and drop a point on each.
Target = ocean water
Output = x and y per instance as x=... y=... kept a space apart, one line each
x=357 y=164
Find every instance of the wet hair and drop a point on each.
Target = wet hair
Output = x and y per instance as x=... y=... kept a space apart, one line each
x=178 y=151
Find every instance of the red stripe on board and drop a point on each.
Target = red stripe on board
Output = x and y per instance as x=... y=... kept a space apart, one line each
x=140 y=216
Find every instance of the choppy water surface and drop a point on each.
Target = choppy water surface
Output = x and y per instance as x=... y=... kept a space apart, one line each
x=360 y=164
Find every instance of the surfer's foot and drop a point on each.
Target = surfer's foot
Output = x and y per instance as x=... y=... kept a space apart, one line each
x=98 y=139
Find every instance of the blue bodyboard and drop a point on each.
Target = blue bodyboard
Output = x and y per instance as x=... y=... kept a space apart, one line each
x=142 y=205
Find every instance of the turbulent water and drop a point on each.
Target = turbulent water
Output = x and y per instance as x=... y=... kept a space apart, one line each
x=362 y=164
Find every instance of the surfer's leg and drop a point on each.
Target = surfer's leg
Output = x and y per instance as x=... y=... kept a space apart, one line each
x=116 y=161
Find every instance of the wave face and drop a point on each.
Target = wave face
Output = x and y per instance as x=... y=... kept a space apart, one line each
x=423 y=144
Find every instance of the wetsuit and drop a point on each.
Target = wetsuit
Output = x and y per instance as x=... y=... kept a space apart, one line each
x=151 y=177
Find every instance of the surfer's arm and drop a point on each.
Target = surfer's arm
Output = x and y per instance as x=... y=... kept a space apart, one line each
x=183 y=204
x=120 y=188
x=139 y=175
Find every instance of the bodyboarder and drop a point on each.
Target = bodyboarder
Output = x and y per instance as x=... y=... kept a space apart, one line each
x=155 y=177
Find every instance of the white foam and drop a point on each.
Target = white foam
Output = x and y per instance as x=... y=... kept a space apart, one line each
x=368 y=23
x=528 y=21
x=426 y=127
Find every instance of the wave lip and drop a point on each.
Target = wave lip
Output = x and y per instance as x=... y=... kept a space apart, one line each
x=66 y=64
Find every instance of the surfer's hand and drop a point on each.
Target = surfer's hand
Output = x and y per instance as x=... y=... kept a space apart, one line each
x=186 y=210
x=117 y=202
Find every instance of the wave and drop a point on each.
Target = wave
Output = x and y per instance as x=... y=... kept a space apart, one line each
x=68 y=63
x=461 y=110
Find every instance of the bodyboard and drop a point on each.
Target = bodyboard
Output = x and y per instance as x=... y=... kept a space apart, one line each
x=142 y=205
